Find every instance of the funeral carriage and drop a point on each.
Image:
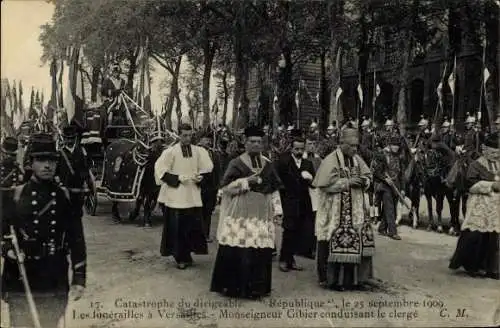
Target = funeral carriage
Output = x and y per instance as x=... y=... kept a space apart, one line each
x=117 y=149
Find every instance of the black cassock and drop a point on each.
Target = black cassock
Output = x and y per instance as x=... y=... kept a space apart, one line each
x=242 y=271
x=298 y=218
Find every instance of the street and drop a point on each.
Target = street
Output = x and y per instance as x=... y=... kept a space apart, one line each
x=130 y=285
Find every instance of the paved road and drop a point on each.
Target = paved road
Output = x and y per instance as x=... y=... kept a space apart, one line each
x=124 y=265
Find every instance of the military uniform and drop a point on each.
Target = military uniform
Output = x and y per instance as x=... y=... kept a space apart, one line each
x=41 y=215
x=73 y=170
x=112 y=87
x=388 y=165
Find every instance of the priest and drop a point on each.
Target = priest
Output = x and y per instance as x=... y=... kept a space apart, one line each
x=345 y=238
x=478 y=245
x=250 y=206
x=179 y=171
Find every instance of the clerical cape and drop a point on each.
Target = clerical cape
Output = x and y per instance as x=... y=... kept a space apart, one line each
x=243 y=265
x=247 y=211
x=341 y=214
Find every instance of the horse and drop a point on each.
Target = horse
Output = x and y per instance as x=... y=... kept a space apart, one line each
x=149 y=190
x=427 y=172
x=456 y=181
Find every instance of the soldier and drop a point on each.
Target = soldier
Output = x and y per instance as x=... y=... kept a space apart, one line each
x=47 y=231
x=112 y=88
x=384 y=135
x=447 y=136
x=388 y=178
x=472 y=138
x=423 y=134
x=73 y=170
x=367 y=144
x=330 y=141
x=10 y=171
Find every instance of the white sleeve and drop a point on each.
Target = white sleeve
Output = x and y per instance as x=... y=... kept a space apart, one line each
x=276 y=201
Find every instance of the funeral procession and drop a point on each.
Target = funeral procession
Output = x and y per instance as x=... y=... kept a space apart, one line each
x=250 y=163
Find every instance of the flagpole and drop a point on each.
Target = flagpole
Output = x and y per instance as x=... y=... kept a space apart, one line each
x=374 y=95
x=479 y=110
x=361 y=102
x=454 y=78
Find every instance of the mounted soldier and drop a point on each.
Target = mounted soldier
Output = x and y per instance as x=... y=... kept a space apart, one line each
x=472 y=138
x=112 y=88
x=448 y=136
x=423 y=134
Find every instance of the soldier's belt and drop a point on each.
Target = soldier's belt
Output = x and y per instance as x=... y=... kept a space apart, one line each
x=37 y=250
x=78 y=190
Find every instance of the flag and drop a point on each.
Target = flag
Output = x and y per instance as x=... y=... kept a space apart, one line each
x=360 y=94
x=20 y=106
x=318 y=94
x=338 y=94
x=8 y=102
x=451 y=82
x=14 y=99
x=69 y=101
x=297 y=99
x=440 y=93
x=79 y=96
x=32 y=114
x=377 y=90
x=60 y=94
x=53 y=94
x=486 y=75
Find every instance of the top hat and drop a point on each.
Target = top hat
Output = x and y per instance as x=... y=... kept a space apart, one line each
x=9 y=146
x=43 y=145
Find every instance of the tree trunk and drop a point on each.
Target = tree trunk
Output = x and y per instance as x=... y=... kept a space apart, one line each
x=226 y=96
x=129 y=88
x=403 y=87
x=286 y=93
x=243 y=116
x=178 y=107
x=335 y=112
x=174 y=87
x=238 y=83
x=96 y=73
x=335 y=9
x=208 y=55
x=323 y=121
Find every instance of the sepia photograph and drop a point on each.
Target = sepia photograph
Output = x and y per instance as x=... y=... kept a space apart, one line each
x=250 y=163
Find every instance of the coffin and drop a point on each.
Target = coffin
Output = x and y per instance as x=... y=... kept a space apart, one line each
x=122 y=174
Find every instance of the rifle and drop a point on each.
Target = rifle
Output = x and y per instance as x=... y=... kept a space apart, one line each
x=391 y=184
x=24 y=277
